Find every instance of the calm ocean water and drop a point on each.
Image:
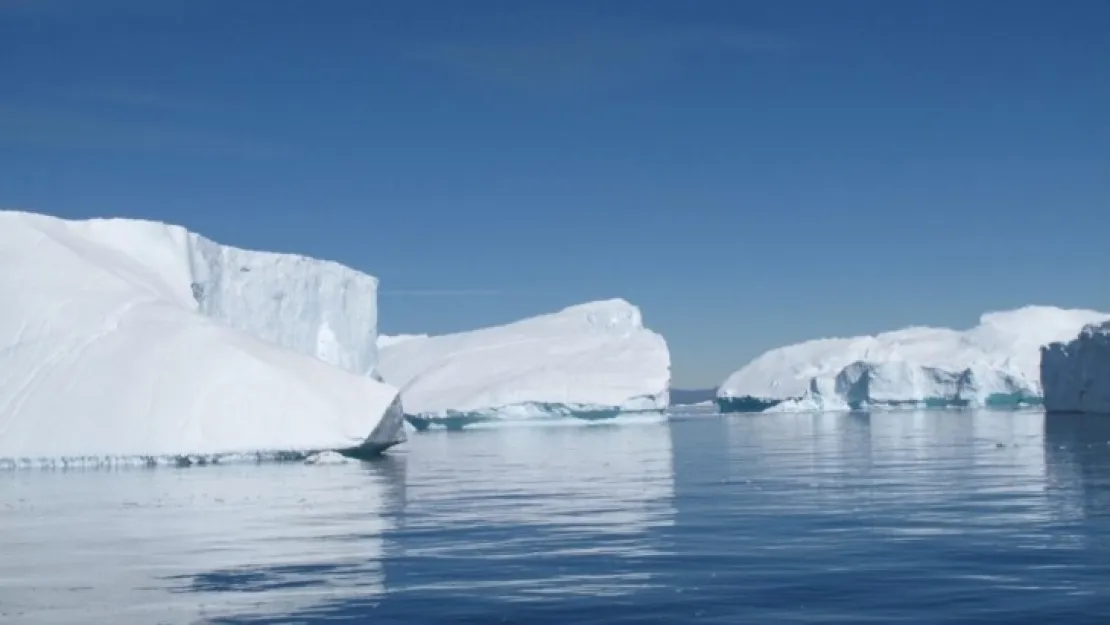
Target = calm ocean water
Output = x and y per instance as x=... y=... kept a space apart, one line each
x=892 y=518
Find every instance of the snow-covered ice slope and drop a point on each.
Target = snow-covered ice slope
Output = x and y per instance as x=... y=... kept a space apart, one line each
x=387 y=340
x=594 y=360
x=994 y=363
x=122 y=338
x=1076 y=374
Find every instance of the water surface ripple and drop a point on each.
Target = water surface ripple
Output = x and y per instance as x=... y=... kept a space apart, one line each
x=893 y=518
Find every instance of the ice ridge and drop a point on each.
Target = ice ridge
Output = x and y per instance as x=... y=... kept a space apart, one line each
x=995 y=363
x=591 y=360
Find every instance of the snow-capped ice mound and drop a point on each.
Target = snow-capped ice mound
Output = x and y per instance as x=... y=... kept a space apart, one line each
x=123 y=338
x=994 y=363
x=1076 y=374
x=591 y=361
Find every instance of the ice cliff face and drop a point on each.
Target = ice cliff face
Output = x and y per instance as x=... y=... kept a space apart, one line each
x=994 y=363
x=591 y=360
x=313 y=307
x=1076 y=373
x=121 y=337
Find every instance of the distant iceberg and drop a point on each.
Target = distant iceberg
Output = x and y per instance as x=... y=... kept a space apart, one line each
x=1076 y=373
x=124 y=340
x=692 y=397
x=591 y=361
x=996 y=363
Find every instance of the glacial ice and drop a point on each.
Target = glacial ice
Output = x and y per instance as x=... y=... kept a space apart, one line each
x=385 y=340
x=995 y=363
x=590 y=361
x=1076 y=373
x=315 y=307
x=125 y=341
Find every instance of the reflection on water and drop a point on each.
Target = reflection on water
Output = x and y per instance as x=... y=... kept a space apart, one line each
x=898 y=517
x=1077 y=450
x=584 y=499
x=147 y=546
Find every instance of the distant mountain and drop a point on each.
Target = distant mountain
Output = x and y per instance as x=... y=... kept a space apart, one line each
x=687 y=396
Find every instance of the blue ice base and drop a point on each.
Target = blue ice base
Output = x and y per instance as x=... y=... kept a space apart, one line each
x=746 y=403
x=365 y=452
x=457 y=420
x=997 y=401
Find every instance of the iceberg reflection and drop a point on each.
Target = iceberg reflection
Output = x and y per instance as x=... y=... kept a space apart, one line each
x=533 y=512
x=945 y=462
x=198 y=544
x=1077 y=452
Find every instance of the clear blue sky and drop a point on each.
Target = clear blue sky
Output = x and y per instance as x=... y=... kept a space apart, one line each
x=749 y=173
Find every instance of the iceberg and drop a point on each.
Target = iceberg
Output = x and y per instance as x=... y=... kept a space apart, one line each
x=995 y=363
x=591 y=361
x=123 y=340
x=1076 y=374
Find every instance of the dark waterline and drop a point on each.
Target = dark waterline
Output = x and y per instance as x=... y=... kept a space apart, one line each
x=901 y=517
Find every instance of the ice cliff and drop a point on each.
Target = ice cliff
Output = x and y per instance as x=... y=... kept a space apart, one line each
x=314 y=307
x=591 y=361
x=1076 y=374
x=123 y=338
x=995 y=363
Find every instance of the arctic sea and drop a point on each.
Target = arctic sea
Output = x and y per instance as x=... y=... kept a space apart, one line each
x=892 y=518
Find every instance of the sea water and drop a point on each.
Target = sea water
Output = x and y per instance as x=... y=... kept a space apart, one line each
x=892 y=518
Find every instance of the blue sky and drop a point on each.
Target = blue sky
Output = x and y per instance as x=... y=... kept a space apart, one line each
x=749 y=173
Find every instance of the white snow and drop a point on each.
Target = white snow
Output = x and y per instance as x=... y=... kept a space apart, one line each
x=123 y=338
x=1076 y=373
x=327 y=457
x=595 y=356
x=995 y=362
x=387 y=340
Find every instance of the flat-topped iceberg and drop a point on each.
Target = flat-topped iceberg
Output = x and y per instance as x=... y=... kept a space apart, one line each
x=1076 y=374
x=589 y=361
x=995 y=363
x=124 y=339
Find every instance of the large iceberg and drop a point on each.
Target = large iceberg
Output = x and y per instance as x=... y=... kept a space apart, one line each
x=122 y=339
x=1076 y=374
x=593 y=360
x=996 y=363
